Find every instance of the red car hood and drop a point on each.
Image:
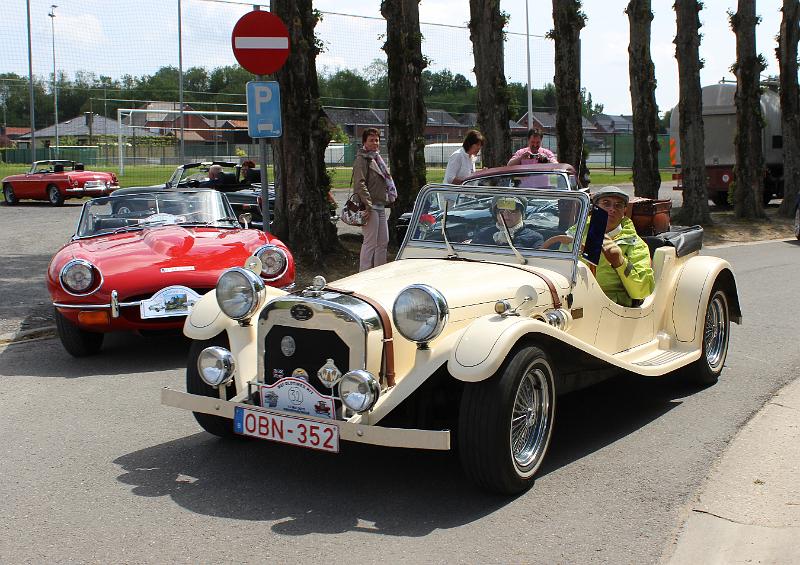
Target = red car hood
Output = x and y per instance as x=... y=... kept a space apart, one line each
x=143 y=261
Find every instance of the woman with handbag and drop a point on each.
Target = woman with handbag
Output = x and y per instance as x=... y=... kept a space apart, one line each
x=375 y=188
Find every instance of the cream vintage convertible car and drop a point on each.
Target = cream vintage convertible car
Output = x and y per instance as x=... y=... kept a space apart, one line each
x=457 y=343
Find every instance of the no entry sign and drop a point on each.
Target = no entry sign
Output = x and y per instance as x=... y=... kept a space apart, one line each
x=260 y=42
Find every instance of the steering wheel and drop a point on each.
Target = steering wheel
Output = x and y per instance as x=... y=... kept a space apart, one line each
x=193 y=183
x=561 y=239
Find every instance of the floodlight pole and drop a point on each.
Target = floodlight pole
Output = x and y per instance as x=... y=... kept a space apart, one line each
x=528 y=51
x=52 y=15
x=30 y=87
x=180 y=81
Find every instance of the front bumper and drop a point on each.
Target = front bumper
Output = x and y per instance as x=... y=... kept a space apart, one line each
x=374 y=435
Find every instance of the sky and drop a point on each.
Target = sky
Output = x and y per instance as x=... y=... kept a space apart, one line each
x=115 y=37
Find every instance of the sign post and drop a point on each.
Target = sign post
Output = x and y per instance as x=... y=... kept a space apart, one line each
x=260 y=43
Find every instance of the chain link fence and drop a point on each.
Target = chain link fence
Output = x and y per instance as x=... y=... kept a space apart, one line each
x=100 y=52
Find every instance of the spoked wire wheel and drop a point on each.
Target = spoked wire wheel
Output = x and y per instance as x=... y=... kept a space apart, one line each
x=530 y=417
x=716 y=330
x=505 y=422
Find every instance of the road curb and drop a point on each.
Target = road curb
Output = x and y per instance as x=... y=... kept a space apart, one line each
x=26 y=335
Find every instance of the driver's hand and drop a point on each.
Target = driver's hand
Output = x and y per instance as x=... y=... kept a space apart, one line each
x=612 y=252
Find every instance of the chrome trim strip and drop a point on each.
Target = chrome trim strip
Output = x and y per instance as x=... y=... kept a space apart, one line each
x=438 y=440
x=95 y=306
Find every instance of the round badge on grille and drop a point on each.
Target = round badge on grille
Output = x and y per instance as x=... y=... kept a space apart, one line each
x=288 y=345
x=301 y=312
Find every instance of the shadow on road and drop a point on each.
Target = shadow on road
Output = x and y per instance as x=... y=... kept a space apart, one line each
x=372 y=489
x=122 y=353
x=364 y=488
x=593 y=418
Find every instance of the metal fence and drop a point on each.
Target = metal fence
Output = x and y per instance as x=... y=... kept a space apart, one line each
x=102 y=46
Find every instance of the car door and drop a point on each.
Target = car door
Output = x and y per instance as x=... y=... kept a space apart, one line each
x=32 y=184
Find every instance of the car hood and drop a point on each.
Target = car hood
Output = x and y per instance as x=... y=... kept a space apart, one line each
x=462 y=283
x=162 y=256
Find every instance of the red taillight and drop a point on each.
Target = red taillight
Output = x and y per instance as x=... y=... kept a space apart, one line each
x=260 y=202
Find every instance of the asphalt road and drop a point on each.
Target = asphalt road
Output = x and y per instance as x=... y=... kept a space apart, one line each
x=95 y=470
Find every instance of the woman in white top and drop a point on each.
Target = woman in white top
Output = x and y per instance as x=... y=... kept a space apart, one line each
x=461 y=163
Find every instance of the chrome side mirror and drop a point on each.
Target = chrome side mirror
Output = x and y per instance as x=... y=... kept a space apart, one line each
x=245 y=219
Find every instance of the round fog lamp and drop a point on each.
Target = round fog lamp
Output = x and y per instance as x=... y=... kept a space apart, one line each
x=359 y=390
x=216 y=366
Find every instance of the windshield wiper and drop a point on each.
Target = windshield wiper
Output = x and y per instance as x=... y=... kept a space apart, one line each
x=451 y=252
x=522 y=259
x=122 y=229
x=211 y=223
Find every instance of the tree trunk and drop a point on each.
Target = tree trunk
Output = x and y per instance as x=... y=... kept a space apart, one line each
x=690 y=118
x=302 y=216
x=646 y=176
x=748 y=175
x=568 y=20
x=790 y=105
x=486 y=25
x=407 y=115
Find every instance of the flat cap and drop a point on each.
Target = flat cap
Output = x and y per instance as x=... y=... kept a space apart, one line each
x=610 y=191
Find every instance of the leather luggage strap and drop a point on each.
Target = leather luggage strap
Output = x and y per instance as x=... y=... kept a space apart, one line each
x=552 y=287
x=387 y=359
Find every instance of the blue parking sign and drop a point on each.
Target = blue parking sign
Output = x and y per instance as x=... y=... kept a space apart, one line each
x=263 y=109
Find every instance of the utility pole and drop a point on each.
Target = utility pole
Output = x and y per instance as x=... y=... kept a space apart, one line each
x=528 y=58
x=30 y=87
x=180 y=81
x=52 y=15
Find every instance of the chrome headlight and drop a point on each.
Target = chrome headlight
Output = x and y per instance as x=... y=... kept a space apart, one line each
x=274 y=262
x=240 y=293
x=79 y=277
x=359 y=390
x=216 y=366
x=420 y=312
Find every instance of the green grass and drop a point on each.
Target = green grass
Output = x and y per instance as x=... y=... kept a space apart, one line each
x=145 y=175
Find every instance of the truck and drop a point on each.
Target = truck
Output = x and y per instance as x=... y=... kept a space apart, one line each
x=719 y=123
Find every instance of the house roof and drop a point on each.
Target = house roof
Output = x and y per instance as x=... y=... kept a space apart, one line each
x=360 y=116
x=77 y=127
x=442 y=118
x=547 y=120
x=13 y=131
x=153 y=114
x=610 y=123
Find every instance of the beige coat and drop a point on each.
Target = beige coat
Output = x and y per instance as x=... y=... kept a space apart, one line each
x=368 y=182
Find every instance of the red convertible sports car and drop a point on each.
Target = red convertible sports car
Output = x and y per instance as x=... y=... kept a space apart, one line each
x=139 y=261
x=56 y=181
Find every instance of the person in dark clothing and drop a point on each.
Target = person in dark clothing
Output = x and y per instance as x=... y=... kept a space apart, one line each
x=214 y=177
x=509 y=210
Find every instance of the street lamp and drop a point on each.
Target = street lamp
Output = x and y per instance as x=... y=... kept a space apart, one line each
x=52 y=15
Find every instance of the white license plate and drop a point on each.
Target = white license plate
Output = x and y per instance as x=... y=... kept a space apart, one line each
x=286 y=429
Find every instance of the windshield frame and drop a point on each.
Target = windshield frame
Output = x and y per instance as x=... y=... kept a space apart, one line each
x=485 y=252
x=226 y=207
x=562 y=174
